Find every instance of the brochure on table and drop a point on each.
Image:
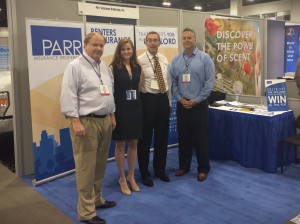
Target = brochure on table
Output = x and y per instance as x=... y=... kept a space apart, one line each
x=235 y=106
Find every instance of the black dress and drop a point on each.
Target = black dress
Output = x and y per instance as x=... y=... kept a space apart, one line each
x=128 y=112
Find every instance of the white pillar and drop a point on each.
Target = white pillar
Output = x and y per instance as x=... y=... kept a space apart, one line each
x=235 y=7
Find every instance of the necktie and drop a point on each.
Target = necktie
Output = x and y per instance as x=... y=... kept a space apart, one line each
x=159 y=76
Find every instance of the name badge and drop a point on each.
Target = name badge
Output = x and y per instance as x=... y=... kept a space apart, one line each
x=154 y=84
x=104 y=90
x=186 y=78
x=131 y=94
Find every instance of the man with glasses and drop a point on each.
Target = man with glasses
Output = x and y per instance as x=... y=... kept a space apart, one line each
x=156 y=100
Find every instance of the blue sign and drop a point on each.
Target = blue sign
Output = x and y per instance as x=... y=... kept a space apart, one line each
x=4 y=58
x=291 y=48
x=55 y=41
x=276 y=95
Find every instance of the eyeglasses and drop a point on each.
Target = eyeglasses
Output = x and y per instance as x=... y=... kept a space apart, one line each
x=152 y=40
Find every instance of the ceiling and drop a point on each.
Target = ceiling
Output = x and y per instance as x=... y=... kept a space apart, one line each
x=207 y=5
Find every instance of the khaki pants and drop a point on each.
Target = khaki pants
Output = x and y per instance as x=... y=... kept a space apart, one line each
x=90 y=155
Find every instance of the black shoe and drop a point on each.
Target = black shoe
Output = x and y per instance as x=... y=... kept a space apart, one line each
x=108 y=204
x=95 y=220
x=147 y=181
x=163 y=177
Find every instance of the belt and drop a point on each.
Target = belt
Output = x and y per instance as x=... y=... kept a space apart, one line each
x=155 y=94
x=94 y=115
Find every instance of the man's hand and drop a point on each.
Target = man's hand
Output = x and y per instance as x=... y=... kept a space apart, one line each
x=188 y=103
x=77 y=126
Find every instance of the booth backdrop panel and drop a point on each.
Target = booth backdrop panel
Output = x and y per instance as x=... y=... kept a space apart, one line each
x=254 y=141
x=158 y=17
x=195 y=21
x=51 y=45
x=275 y=49
x=22 y=9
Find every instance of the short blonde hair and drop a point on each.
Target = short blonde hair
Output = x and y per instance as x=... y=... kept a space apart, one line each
x=90 y=35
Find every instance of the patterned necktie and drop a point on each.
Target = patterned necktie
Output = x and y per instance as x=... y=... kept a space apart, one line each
x=159 y=76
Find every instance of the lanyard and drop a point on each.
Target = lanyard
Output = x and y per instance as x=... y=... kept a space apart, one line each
x=154 y=70
x=188 y=62
x=98 y=67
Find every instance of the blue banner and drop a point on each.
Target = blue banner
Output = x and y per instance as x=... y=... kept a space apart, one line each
x=50 y=40
x=291 y=48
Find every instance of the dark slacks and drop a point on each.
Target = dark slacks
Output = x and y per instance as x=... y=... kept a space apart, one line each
x=192 y=126
x=156 y=112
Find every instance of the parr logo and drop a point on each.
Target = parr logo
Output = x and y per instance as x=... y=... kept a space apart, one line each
x=50 y=41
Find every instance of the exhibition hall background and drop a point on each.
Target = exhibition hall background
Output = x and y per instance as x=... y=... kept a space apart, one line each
x=272 y=34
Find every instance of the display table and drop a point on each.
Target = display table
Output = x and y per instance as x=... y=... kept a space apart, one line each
x=251 y=140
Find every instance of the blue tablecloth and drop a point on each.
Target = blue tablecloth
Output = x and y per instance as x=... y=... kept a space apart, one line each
x=252 y=140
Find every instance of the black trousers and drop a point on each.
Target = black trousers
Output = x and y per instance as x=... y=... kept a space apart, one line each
x=156 y=112
x=192 y=126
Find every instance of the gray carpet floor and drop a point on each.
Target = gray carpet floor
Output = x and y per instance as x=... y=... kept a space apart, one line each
x=19 y=203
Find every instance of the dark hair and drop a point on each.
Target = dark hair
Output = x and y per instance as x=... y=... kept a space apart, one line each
x=90 y=35
x=153 y=32
x=118 y=59
x=189 y=30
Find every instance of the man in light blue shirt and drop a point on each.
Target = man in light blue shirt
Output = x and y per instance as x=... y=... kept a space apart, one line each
x=193 y=75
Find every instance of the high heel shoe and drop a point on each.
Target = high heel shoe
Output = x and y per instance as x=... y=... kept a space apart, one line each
x=124 y=187
x=133 y=186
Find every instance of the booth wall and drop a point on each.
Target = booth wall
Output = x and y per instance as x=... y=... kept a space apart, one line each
x=275 y=48
x=158 y=17
x=195 y=21
x=19 y=10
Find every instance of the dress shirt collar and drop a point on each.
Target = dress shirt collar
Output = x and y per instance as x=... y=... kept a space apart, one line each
x=151 y=56
x=193 y=53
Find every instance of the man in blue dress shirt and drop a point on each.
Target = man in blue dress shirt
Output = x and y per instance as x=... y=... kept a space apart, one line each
x=193 y=75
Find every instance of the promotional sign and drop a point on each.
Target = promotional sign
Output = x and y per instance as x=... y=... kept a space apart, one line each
x=51 y=45
x=276 y=95
x=4 y=58
x=291 y=48
x=169 y=48
x=168 y=40
x=113 y=33
x=107 y=11
x=234 y=46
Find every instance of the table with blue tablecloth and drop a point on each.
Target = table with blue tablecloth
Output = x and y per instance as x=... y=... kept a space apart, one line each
x=251 y=140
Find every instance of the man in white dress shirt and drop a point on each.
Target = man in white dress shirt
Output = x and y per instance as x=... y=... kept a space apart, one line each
x=156 y=111
x=87 y=101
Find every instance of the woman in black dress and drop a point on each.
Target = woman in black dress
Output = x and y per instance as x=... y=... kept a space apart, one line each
x=127 y=75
